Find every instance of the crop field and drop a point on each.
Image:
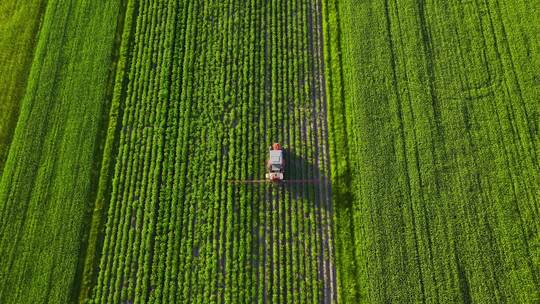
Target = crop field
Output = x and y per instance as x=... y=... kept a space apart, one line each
x=50 y=170
x=410 y=131
x=207 y=86
x=437 y=199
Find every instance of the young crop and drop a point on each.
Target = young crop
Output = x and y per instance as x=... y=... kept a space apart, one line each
x=208 y=87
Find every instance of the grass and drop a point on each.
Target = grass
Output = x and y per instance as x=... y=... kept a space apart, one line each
x=439 y=150
x=48 y=178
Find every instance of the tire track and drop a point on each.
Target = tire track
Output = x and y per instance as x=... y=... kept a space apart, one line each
x=321 y=129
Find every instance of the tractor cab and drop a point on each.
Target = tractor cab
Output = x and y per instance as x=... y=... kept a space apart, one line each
x=275 y=163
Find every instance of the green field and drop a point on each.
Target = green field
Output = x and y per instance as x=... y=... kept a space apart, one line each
x=50 y=174
x=206 y=88
x=19 y=23
x=124 y=125
x=441 y=180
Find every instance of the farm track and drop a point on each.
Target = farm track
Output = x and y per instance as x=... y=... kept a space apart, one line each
x=208 y=87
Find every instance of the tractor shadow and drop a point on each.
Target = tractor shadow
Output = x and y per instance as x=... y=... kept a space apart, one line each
x=304 y=180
